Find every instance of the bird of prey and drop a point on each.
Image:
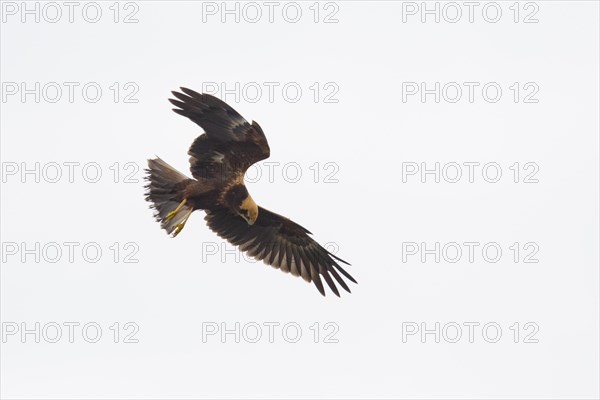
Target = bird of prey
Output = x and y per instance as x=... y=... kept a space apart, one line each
x=219 y=159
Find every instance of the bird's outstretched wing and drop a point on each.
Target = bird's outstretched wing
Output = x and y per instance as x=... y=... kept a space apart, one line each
x=230 y=144
x=281 y=243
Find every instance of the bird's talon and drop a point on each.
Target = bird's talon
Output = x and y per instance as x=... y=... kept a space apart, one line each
x=173 y=213
x=178 y=228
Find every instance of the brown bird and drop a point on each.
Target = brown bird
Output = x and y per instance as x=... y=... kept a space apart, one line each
x=219 y=159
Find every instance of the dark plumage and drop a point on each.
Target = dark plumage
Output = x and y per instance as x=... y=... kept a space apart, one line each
x=219 y=159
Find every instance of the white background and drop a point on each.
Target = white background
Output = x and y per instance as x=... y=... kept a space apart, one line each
x=171 y=293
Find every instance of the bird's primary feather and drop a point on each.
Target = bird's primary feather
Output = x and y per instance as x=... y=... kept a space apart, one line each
x=281 y=243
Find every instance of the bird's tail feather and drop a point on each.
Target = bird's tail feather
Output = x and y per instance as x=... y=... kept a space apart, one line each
x=165 y=191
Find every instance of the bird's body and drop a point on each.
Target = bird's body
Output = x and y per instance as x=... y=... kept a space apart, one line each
x=219 y=159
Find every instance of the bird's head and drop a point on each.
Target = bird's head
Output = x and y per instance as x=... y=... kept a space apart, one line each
x=240 y=201
x=248 y=210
